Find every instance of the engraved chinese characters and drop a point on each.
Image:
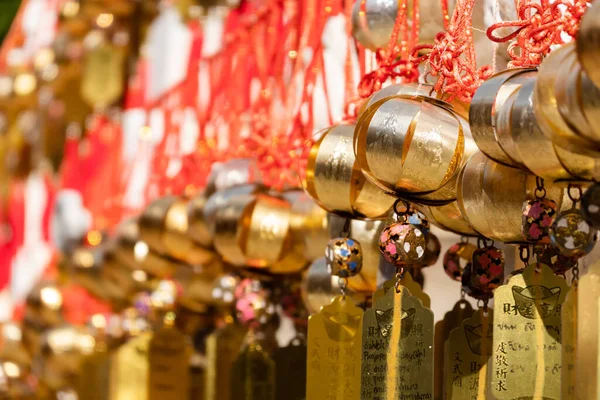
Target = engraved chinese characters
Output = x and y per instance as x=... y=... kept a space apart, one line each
x=334 y=352
x=526 y=359
x=468 y=350
x=397 y=344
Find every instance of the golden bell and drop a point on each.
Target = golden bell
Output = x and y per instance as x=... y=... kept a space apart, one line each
x=242 y=173
x=196 y=284
x=416 y=90
x=491 y=197
x=488 y=100
x=588 y=45
x=533 y=149
x=413 y=147
x=308 y=223
x=254 y=230
x=164 y=227
x=449 y=218
x=134 y=253
x=319 y=287
x=547 y=112
x=335 y=182
x=88 y=263
x=202 y=207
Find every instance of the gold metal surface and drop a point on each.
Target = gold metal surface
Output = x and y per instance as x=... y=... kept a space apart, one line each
x=588 y=98
x=568 y=336
x=491 y=197
x=526 y=362
x=586 y=352
x=197 y=227
x=129 y=370
x=551 y=122
x=103 y=75
x=537 y=152
x=163 y=226
x=410 y=144
x=334 y=352
x=488 y=100
x=335 y=182
x=253 y=374
x=449 y=218
x=468 y=349
x=169 y=354
x=588 y=43
x=452 y=319
x=414 y=90
x=228 y=232
x=268 y=238
x=309 y=225
x=397 y=347
x=222 y=348
x=290 y=370
x=196 y=285
x=568 y=96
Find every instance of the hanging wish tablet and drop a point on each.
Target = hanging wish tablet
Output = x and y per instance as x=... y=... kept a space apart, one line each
x=569 y=343
x=222 y=348
x=468 y=349
x=527 y=326
x=397 y=348
x=334 y=351
x=452 y=320
x=408 y=282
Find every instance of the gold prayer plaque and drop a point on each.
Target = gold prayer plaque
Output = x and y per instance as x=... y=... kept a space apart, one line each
x=102 y=78
x=334 y=352
x=95 y=370
x=222 y=348
x=526 y=362
x=408 y=282
x=468 y=350
x=397 y=348
x=452 y=320
x=586 y=365
x=169 y=359
x=253 y=375
x=569 y=343
x=290 y=371
x=129 y=373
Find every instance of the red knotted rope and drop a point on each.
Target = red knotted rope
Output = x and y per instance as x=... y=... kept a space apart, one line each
x=538 y=28
x=452 y=56
x=394 y=63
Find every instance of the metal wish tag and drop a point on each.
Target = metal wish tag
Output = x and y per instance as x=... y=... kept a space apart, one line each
x=290 y=370
x=222 y=348
x=569 y=344
x=408 y=282
x=95 y=372
x=397 y=348
x=587 y=384
x=452 y=320
x=334 y=351
x=253 y=374
x=129 y=370
x=468 y=349
x=169 y=354
x=526 y=360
